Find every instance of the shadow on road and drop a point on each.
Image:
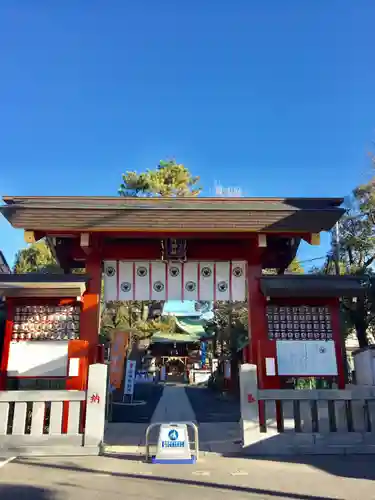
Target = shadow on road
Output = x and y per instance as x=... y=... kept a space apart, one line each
x=12 y=492
x=163 y=479
x=348 y=466
x=210 y=406
x=149 y=393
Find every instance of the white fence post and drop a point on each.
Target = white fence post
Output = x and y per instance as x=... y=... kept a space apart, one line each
x=95 y=405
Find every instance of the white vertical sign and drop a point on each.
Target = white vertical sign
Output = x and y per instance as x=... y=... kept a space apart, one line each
x=129 y=377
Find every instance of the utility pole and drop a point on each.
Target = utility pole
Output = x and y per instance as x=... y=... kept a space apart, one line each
x=336 y=249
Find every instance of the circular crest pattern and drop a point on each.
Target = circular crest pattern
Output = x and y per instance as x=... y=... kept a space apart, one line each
x=322 y=350
x=237 y=272
x=110 y=271
x=222 y=286
x=126 y=286
x=158 y=286
x=142 y=271
x=190 y=286
x=206 y=272
x=174 y=271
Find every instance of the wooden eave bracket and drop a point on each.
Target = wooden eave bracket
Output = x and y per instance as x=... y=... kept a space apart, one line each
x=312 y=239
x=262 y=240
x=85 y=242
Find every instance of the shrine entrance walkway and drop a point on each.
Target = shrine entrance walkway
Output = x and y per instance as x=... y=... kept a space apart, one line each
x=217 y=418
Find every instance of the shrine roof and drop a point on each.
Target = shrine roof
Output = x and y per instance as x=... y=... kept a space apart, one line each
x=314 y=286
x=55 y=213
x=43 y=285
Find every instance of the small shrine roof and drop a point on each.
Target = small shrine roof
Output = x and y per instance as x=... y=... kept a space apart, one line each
x=43 y=285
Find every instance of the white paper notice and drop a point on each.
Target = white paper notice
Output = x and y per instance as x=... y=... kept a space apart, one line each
x=73 y=367
x=270 y=367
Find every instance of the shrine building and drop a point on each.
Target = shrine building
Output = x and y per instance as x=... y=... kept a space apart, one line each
x=174 y=249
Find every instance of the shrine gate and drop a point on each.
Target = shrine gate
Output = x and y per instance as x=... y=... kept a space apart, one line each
x=187 y=249
x=199 y=249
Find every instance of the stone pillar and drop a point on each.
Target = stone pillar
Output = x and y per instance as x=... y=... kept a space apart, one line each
x=249 y=404
x=95 y=405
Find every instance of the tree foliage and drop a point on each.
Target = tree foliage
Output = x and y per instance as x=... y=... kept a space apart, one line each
x=296 y=266
x=134 y=317
x=356 y=254
x=37 y=258
x=169 y=179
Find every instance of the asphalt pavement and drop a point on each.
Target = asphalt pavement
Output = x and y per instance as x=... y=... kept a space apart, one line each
x=210 y=406
x=214 y=478
x=146 y=399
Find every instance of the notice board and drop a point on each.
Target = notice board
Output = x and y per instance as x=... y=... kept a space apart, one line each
x=305 y=358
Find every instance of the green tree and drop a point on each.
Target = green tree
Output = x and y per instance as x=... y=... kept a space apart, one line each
x=36 y=258
x=296 y=267
x=133 y=316
x=169 y=179
x=356 y=254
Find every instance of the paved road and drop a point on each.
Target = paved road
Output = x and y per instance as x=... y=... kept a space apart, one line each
x=150 y=394
x=214 y=478
x=208 y=406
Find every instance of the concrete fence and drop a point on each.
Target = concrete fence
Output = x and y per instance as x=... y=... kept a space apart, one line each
x=288 y=421
x=55 y=422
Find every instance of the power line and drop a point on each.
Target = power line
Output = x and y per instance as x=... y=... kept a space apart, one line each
x=311 y=260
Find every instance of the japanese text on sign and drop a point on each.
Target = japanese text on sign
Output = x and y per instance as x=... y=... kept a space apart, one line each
x=130 y=377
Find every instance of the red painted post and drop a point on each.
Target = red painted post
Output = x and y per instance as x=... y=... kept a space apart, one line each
x=91 y=305
x=256 y=308
x=6 y=345
x=339 y=344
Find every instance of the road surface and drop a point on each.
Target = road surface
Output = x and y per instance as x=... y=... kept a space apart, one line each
x=214 y=478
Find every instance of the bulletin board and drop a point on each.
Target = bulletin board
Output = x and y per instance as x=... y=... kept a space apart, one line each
x=306 y=358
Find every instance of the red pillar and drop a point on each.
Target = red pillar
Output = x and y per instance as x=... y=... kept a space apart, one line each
x=91 y=305
x=257 y=311
x=339 y=342
x=257 y=320
x=6 y=345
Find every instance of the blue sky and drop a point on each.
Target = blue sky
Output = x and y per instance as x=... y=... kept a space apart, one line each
x=276 y=97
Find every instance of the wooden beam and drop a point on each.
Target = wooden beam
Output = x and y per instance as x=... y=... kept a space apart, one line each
x=313 y=239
